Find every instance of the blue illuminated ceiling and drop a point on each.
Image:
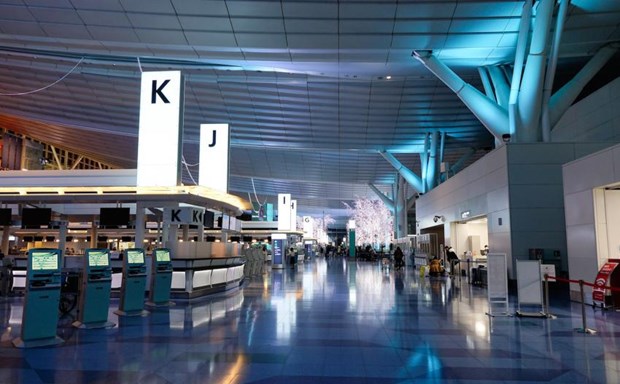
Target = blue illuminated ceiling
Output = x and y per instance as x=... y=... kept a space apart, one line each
x=303 y=84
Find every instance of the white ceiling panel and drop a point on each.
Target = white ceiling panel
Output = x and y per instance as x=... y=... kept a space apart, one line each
x=113 y=34
x=55 y=15
x=201 y=23
x=67 y=31
x=15 y=13
x=105 y=18
x=248 y=24
x=261 y=40
x=200 y=7
x=153 y=6
x=152 y=21
x=254 y=8
x=305 y=10
x=97 y=5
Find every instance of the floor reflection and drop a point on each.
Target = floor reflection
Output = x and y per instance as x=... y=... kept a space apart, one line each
x=324 y=321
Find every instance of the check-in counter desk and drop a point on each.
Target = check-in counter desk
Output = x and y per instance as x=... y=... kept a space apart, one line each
x=199 y=269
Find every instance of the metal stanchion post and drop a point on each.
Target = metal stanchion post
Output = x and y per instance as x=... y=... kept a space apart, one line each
x=547 y=314
x=584 y=329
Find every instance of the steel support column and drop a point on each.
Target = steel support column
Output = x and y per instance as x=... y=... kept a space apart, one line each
x=530 y=95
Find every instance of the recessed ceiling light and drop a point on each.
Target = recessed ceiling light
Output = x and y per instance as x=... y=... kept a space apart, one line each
x=388 y=77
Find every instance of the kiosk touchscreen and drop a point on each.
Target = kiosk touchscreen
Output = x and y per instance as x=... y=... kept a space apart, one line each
x=95 y=290
x=161 y=278
x=42 y=296
x=133 y=284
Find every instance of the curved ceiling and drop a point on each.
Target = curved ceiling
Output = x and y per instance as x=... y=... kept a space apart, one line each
x=312 y=90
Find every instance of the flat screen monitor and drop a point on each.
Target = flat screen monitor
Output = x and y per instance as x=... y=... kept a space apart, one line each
x=135 y=256
x=98 y=258
x=36 y=217
x=5 y=216
x=162 y=255
x=113 y=217
x=44 y=260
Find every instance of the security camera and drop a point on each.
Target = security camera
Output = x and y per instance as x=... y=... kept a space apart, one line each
x=436 y=218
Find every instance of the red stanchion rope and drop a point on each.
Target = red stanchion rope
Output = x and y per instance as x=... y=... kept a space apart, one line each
x=562 y=280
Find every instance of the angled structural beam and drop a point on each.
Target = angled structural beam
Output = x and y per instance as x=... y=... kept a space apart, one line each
x=491 y=115
x=389 y=203
x=565 y=96
x=414 y=180
x=530 y=94
x=459 y=164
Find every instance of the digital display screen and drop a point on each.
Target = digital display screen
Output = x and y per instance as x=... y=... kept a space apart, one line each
x=98 y=259
x=162 y=255
x=44 y=260
x=135 y=257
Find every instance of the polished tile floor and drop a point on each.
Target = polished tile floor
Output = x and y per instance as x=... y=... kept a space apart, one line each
x=326 y=322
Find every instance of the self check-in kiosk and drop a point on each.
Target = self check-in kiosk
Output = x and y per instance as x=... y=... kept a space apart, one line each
x=161 y=278
x=42 y=295
x=133 y=284
x=95 y=290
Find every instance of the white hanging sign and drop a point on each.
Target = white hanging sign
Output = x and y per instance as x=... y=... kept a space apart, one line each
x=160 y=129
x=214 y=156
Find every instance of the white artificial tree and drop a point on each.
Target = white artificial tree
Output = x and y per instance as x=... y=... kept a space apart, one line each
x=373 y=221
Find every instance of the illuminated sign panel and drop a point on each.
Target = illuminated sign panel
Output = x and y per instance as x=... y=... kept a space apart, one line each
x=214 y=156
x=161 y=128
x=284 y=211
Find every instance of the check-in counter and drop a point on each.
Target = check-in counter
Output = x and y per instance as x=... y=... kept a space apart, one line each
x=199 y=269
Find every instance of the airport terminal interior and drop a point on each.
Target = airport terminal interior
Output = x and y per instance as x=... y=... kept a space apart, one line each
x=309 y=191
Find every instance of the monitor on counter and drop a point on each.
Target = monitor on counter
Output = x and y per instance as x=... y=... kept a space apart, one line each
x=44 y=260
x=98 y=258
x=162 y=255
x=135 y=256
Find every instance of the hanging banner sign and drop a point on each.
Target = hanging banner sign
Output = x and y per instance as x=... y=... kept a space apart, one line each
x=293 y=226
x=214 y=156
x=602 y=278
x=160 y=129
x=184 y=215
x=308 y=226
x=284 y=211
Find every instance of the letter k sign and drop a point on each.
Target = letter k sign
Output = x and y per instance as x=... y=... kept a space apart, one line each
x=157 y=91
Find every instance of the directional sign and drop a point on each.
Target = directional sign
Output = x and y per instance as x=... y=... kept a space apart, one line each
x=184 y=215
x=161 y=128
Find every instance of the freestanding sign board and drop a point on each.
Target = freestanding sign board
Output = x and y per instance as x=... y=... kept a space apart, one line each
x=497 y=283
x=602 y=279
x=529 y=287
x=278 y=241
